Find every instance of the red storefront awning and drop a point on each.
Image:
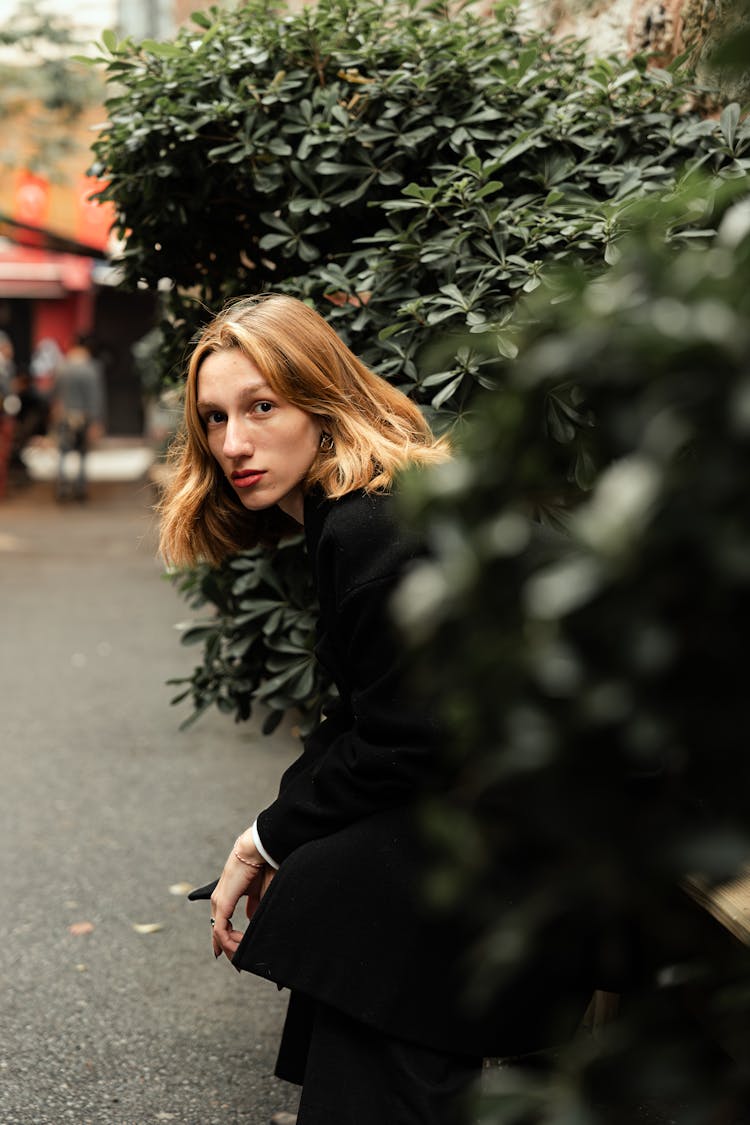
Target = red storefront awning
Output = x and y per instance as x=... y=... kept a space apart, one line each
x=27 y=272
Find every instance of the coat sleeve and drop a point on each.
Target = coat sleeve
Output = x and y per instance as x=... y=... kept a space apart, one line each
x=384 y=755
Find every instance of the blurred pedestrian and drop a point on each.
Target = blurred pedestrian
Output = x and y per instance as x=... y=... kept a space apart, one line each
x=9 y=406
x=7 y=364
x=31 y=420
x=45 y=363
x=78 y=412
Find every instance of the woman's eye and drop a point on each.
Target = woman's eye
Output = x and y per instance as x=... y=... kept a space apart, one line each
x=215 y=418
x=263 y=407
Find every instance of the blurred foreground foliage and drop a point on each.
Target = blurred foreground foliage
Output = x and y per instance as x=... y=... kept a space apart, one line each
x=413 y=172
x=593 y=673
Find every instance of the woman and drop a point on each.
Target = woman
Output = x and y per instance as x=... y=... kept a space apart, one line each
x=285 y=428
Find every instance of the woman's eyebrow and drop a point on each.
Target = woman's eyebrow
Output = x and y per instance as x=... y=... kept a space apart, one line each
x=246 y=392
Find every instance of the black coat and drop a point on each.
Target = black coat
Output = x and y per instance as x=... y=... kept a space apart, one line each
x=344 y=920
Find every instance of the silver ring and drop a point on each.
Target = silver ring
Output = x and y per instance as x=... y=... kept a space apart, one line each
x=213 y=921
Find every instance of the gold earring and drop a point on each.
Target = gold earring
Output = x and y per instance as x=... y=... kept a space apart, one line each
x=326 y=442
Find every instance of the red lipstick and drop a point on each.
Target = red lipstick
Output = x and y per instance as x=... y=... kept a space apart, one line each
x=245 y=478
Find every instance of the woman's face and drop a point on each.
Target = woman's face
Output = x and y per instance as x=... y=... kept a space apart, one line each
x=264 y=445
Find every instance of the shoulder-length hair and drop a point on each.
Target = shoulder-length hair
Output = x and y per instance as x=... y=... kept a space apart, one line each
x=371 y=429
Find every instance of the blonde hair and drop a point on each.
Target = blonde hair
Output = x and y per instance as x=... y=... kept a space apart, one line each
x=375 y=430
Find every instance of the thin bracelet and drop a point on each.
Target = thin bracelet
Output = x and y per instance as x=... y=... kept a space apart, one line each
x=247 y=862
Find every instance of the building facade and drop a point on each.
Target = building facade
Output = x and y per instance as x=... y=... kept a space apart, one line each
x=663 y=28
x=55 y=240
x=142 y=19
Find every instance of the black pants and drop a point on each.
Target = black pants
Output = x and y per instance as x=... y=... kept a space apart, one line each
x=352 y=1074
x=72 y=437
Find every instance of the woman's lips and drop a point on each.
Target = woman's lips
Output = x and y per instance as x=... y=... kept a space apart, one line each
x=247 y=479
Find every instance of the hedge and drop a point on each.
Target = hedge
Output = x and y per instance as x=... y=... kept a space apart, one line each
x=411 y=171
x=593 y=681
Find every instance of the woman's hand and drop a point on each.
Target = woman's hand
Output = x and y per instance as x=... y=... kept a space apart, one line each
x=247 y=876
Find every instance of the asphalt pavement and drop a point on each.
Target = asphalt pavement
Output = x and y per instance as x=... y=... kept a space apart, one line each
x=113 y=1010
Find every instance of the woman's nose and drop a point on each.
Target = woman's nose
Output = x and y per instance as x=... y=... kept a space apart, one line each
x=237 y=441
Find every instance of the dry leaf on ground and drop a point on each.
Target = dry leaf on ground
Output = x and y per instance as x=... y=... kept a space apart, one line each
x=79 y=928
x=181 y=888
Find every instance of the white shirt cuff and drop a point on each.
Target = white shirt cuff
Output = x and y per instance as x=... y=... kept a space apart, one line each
x=259 y=845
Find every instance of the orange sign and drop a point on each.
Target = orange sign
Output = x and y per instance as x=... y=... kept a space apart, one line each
x=31 y=202
x=64 y=209
x=95 y=220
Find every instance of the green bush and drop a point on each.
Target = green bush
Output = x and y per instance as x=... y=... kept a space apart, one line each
x=594 y=681
x=413 y=172
x=266 y=151
x=258 y=641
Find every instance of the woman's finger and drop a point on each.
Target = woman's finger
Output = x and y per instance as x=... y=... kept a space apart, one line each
x=225 y=938
x=215 y=940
